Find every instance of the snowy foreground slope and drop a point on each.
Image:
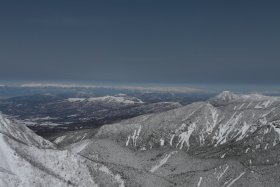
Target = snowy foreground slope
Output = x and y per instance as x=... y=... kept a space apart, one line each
x=230 y=140
x=28 y=160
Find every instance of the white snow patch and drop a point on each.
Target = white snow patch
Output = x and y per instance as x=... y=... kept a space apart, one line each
x=244 y=130
x=249 y=104
x=185 y=136
x=135 y=135
x=277 y=131
x=240 y=107
x=222 y=173
x=162 y=162
x=171 y=140
x=127 y=141
x=59 y=139
x=266 y=146
x=215 y=116
x=199 y=182
x=259 y=105
x=161 y=142
x=76 y=99
x=143 y=149
x=234 y=180
x=267 y=103
x=227 y=128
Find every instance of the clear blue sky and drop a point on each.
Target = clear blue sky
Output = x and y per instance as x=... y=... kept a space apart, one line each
x=145 y=41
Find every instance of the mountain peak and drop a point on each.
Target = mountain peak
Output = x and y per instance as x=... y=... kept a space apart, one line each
x=227 y=96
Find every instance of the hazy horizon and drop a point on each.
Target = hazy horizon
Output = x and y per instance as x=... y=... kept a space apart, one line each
x=215 y=88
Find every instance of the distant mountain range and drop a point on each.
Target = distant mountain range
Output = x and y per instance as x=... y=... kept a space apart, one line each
x=47 y=114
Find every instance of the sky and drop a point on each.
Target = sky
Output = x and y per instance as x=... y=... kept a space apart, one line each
x=141 y=41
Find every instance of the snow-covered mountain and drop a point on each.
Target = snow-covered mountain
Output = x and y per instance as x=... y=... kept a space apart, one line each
x=230 y=140
x=117 y=99
x=28 y=160
x=203 y=124
x=22 y=134
x=226 y=97
x=237 y=136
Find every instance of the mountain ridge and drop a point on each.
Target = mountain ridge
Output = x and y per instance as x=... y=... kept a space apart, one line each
x=29 y=160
